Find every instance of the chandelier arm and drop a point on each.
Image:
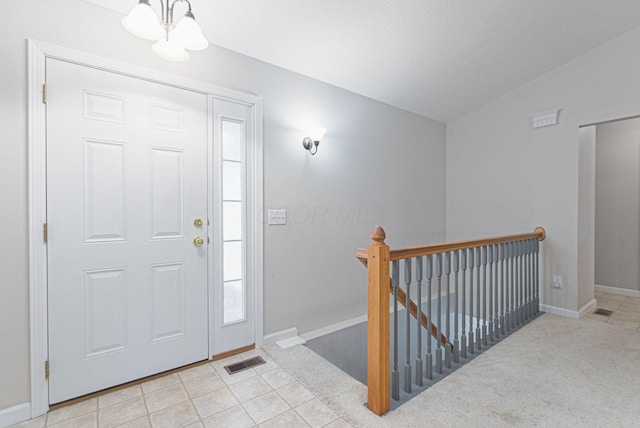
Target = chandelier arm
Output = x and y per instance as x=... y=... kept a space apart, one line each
x=170 y=13
x=163 y=12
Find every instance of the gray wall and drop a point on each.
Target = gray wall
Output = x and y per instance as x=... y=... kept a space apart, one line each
x=504 y=176
x=377 y=164
x=617 y=241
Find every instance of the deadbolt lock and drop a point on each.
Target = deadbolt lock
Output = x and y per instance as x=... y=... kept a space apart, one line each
x=198 y=241
x=198 y=222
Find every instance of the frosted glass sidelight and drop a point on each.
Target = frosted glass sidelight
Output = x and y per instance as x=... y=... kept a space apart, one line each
x=234 y=289
x=231 y=181
x=232 y=221
x=234 y=309
x=232 y=260
x=233 y=140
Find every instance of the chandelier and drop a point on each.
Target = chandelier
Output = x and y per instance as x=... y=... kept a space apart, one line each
x=172 y=39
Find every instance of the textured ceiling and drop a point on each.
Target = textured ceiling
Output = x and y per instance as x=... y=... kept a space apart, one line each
x=437 y=58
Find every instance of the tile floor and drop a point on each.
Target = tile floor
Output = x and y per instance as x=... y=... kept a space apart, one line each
x=626 y=310
x=202 y=396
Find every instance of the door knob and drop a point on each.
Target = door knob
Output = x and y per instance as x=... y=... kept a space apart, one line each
x=198 y=222
x=198 y=241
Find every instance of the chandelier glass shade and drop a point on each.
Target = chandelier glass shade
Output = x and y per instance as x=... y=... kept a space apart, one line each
x=172 y=38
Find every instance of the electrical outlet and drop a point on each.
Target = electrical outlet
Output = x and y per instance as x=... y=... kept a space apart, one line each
x=277 y=217
x=557 y=281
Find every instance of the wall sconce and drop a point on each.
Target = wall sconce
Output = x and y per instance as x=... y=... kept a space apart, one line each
x=315 y=135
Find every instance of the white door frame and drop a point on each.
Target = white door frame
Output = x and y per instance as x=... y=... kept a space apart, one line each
x=38 y=52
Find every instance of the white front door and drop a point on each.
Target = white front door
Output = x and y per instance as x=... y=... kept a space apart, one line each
x=126 y=180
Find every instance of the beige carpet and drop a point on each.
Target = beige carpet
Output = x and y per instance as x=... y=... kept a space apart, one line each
x=554 y=372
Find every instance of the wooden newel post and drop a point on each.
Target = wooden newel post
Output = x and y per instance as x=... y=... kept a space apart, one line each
x=378 y=324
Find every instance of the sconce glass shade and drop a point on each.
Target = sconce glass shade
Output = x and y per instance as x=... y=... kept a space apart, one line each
x=316 y=134
x=170 y=50
x=143 y=22
x=188 y=34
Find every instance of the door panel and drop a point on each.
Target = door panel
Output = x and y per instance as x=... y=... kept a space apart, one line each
x=126 y=176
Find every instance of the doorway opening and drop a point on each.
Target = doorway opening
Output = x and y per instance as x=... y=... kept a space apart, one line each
x=610 y=219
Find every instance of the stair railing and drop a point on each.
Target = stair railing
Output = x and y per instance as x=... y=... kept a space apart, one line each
x=494 y=290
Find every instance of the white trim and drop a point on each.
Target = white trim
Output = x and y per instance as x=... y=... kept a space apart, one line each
x=38 y=52
x=37 y=217
x=257 y=210
x=291 y=342
x=15 y=414
x=333 y=327
x=49 y=50
x=616 y=290
x=569 y=313
x=279 y=336
x=559 y=311
x=587 y=308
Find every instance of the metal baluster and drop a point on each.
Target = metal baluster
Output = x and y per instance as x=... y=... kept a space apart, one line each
x=536 y=273
x=463 y=337
x=525 y=285
x=533 y=273
x=523 y=296
x=525 y=282
x=512 y=286
x=489 y=334
x=533 y=283
x=419 y=322
x=439 y=310
x=495 y=309
x=447 y=272
x=429 y=362
x=407 y=364
x=472 y=346
x=478 y=296
x=520 y=281
x=456 y=343
x=503 y=315
x=483 y=327
x=528 y=252
x=515 y=285
x=525 y=255
x=395 y=374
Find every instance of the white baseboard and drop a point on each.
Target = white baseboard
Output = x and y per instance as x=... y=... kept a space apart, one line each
x=616 y=290
x=15 y=414
x=589 y=307
x=333 y=327
x=559 y=311
x=280 y=335
x=291 y=342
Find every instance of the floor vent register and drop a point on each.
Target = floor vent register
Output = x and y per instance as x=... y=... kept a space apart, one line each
x=244 y=365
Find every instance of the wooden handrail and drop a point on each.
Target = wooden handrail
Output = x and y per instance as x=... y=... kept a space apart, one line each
x=425 y=250
x=413 y=310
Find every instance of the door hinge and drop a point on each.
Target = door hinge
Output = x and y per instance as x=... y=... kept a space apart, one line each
x=46 y=369
x=45 y=232
x=44 y=93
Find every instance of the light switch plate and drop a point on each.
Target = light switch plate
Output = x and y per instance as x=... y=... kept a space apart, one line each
x=277 y=217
